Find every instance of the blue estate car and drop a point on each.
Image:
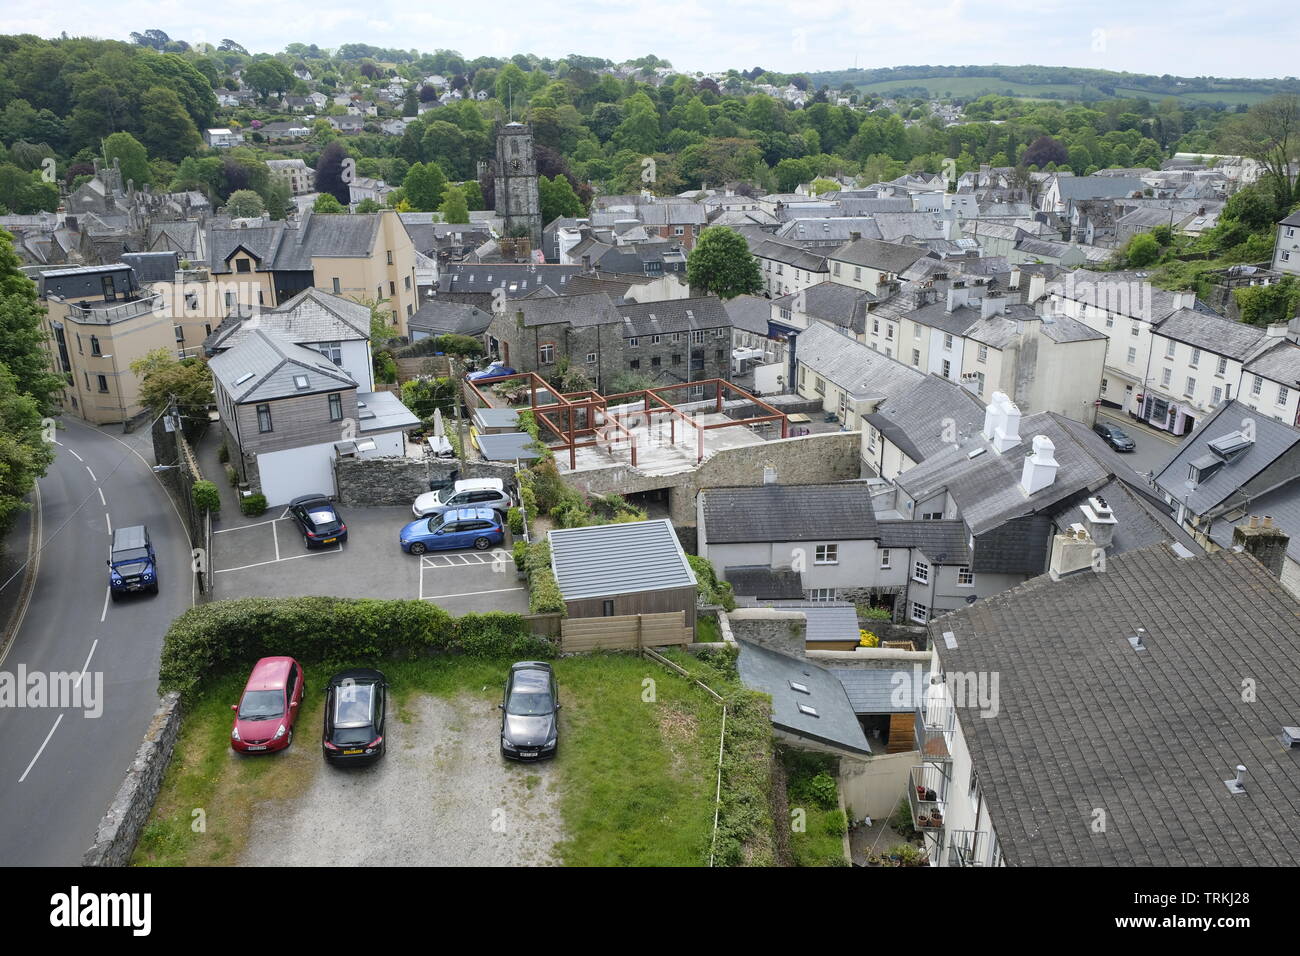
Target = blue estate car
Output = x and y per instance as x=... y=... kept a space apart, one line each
x=462 y=528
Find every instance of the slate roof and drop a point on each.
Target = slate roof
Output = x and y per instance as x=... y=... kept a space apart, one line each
x=673 y=315
x=310 y=316
x=1280 y=364
x=840 y=305
x=1098 y=187
x=943 y=542
x=1272 y=440
x=274 y=362
x=852 y=366
x=761 y=513
x=518 y=279
x=987 y=487
x=153 y=266
x=796 y=257
x=438 y=316
x=1086 y=721
x=1213 y=333
x=771 y=672
x=765 y=583
x=827 y=621
x=508 y=446
x=873 y=690
x=916 y=421
x=749 y=313
x=383 y=412
x=884 y=256
x=611 y=559
x=829 y=230
x=577 y=310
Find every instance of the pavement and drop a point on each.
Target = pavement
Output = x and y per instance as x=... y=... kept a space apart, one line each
x=266 y=557
x=61 y=766
x=1154 y=447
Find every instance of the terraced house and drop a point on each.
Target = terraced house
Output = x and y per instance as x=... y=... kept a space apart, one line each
x=364 y=257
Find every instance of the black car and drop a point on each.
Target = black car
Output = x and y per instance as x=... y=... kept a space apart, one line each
x=354 y=716
x=1114 y=436
x=530 y=722
x=318 y=520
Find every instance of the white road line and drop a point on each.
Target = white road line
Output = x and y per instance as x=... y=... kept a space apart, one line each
x=292 y=557
x=42 y=750
x=104 y=613
x=245 y=527
x=276 y=538
x=108 y=522
x=435 y=597
x=92 y=474
x=102 y=500
x=75 y=455
x=93 y=644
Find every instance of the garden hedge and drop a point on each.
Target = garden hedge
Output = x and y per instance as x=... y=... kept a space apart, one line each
x=212 y=638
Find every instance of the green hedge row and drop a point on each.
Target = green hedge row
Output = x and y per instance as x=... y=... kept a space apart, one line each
x=213 y=638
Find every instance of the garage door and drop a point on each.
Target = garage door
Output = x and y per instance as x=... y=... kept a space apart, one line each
x=294 y=472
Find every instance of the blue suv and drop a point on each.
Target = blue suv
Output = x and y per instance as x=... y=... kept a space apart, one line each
x=132 y=564
x=457 y=528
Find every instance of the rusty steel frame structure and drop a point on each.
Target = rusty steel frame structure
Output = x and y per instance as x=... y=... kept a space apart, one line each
x=573 y=416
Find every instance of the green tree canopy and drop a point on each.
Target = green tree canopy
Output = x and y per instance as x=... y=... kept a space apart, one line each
x=722 y=264
x=454 y=208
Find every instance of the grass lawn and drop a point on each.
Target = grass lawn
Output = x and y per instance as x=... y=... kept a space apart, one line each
x=707 y=630
x=810 y=787
x=636 y=762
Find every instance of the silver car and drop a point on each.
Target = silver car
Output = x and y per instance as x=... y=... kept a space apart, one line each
x=471 y=493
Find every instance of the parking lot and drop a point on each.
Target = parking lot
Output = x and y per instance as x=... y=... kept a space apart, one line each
x=266 y=557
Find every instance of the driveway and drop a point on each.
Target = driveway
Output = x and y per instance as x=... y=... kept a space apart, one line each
x=266 y=558
x=441 y=796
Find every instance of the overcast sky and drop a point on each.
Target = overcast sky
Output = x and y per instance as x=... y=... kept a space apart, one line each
x=1252 y=38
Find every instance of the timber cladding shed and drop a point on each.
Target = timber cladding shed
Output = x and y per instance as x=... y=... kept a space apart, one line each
x=637 y=567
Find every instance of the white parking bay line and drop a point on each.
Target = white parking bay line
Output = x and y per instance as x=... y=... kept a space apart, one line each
x=244 y=527
x=291 y=557
x=42 y=750
x=276 y=538
x=436 y=597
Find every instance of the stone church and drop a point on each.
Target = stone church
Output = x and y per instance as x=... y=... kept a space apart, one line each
x=517 y=200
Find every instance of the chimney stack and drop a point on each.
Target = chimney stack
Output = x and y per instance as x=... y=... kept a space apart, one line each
x=1037 y=288
x=1040 y=466
x=958 y=296
x=992 y=305
x=1002 y=423
x=1184 y=300
x=1072 y=551
x=854 y=236
x=1100 y=521
x=586 y=262
x=1264 y=541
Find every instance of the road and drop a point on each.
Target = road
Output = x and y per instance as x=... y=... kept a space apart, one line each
x=1154 y=449
x=60 y=768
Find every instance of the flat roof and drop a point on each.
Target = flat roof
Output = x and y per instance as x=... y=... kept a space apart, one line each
x=611 y=559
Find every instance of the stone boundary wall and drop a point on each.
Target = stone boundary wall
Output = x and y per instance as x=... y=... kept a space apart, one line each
x=120 y=829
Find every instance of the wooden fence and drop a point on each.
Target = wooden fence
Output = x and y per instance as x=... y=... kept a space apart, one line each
x=624 y=632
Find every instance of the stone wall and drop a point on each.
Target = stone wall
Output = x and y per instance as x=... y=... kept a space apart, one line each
x=811 y=459
x=118 y=832
x=399 y=481
x=776 y=629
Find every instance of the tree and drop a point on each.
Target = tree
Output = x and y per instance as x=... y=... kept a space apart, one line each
x=327 y=204
x=1142 y=250
x=558 y=199
x=1269 y=304
x=162 y=377
x=368 y=205
x=1045 y=150
x=25 y=453
x=330 y=173
x=463 y=346
x=131 y=156
x=268 y=76
x=721 y=263
x=1270 y=134
x=425 y=185
x=166 y=129
x=244 y=204
x=22 y=340
x=454 y=208
x=24 y=194
x=473 y=194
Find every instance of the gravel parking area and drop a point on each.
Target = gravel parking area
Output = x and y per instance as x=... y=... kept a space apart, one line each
x=441 y=796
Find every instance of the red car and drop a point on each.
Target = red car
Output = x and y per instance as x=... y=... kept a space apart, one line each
x=265 y=716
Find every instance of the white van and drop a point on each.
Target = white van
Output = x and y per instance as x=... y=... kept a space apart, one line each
x=469 y=493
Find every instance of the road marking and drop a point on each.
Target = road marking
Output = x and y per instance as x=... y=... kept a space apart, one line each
x=93 y=644
x=245 y=527
x=104 y=613
x=29 y=584
x=108 y=522
x=92 y=474
x=276 y=538
x=102 y=500
x=434 y=597
x=42 y=750
x=292 y=557
x=75 y=455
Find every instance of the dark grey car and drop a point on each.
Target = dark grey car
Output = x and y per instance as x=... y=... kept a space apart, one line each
x=530 y=723
x=1114 y=436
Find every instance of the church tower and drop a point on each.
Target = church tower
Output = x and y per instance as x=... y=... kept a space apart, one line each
x=517 y=200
